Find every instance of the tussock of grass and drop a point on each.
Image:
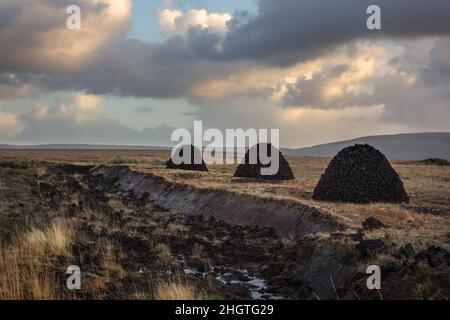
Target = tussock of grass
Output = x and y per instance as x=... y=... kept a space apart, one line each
x=26 y=270
x=175 y=290
x=175 y=228
x=289 y=242
x=158 y=163
x=163 y=253
x=54 y=239
x=122 y=160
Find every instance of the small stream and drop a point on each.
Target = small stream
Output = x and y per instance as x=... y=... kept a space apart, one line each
x=244 y=277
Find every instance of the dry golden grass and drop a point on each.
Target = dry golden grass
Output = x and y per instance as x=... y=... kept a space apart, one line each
x=163 y=253
x=175 y=290
x=289 y=242
x=54 y=239
x=109 y=260
x=176 y=228
x=26 y=270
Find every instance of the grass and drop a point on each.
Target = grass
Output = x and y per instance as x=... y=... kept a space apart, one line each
x=163 y=253
x=26 y=268
x=289 y=242
x=159 y=163
x=54 y=239
x=176 y=228
x=119 y=160
x=175 y=290
x=198 y=251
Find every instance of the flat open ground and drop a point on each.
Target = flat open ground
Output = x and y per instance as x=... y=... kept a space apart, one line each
x=424 y=221
x=131 y=248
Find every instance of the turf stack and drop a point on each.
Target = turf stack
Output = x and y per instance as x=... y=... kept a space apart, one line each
x=192 y=166
x=247 y=170
x=360 y=174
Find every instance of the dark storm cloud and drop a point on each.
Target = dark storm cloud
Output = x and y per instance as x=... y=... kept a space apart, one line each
x=437 y=71
x=135 y=68
x=286 y=31
x=34 y=37
x=282 y=33
x=8 y=14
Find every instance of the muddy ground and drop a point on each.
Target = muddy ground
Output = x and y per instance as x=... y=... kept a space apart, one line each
x=145 y=244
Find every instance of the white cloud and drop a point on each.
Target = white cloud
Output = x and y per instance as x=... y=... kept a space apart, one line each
x=10 y=125
x=37 y=39
x=87 y=108
x=82 y=109
x=177 y=23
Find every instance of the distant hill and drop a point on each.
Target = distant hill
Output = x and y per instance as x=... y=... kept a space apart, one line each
x=411 y=146
x=80 y=147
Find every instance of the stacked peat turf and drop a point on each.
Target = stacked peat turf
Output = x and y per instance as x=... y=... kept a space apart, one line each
x=191 y=165
x=360 y=174
x=249 y=170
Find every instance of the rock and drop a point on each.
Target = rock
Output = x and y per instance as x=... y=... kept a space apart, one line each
x=253 y=170
x=360 y=174
x=371 y=247
x=191 y=165
x=372 y=223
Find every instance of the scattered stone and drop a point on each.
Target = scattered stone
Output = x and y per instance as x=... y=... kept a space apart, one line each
x=253 y=170
x=372 y=223
x=360 y=174
x=192 y=166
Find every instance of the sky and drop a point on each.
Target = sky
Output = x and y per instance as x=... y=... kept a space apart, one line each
x=139 y=69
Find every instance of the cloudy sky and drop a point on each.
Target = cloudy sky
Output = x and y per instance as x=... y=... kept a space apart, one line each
x=137 y=69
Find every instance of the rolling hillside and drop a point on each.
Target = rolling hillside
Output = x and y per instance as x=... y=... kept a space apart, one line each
x=412 y=146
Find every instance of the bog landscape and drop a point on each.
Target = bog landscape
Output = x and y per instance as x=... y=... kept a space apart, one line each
x=237 y=150
x=139 y=230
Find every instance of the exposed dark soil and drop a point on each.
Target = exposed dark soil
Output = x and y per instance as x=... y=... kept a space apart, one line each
x=221 y=260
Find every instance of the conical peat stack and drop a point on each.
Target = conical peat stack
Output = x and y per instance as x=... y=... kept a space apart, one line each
x=253 y=170
x=360 y=174
x=191 y=165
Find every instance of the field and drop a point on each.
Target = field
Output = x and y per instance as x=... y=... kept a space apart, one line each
x=52 y=216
